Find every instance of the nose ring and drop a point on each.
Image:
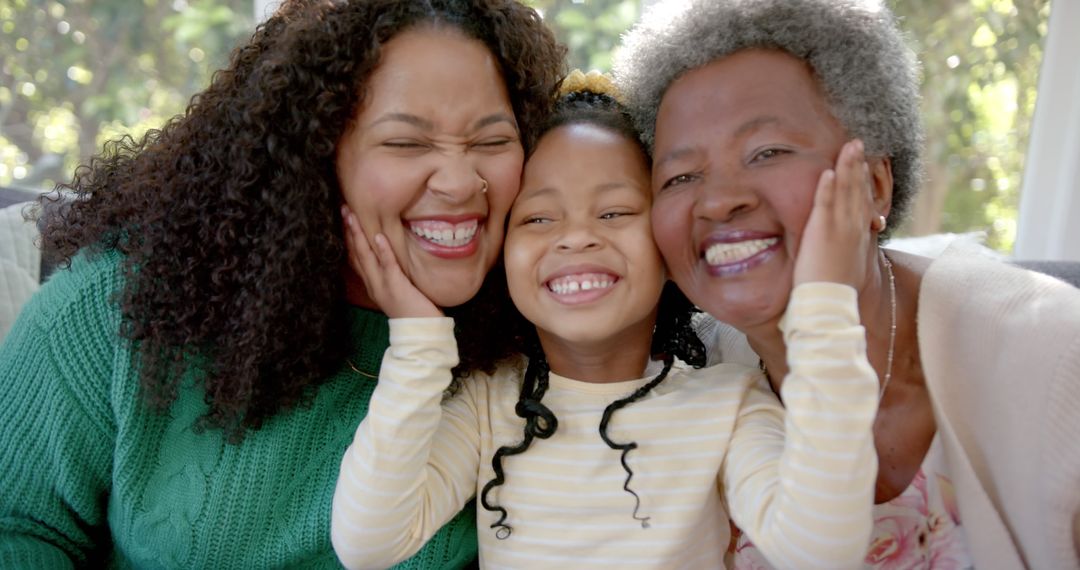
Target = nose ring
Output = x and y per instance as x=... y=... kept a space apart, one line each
x=483 y=189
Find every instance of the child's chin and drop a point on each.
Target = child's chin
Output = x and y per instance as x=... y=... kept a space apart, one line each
x=580 y=336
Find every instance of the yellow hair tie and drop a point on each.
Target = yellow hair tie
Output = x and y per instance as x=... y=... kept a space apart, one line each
x=593 y=81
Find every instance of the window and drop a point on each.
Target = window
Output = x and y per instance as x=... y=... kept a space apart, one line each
x=75 y=73
x=980 y=63
x=78 y=72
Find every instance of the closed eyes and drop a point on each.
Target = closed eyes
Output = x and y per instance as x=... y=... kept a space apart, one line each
x=615 y=215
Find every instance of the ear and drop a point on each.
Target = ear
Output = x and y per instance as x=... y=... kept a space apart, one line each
x=882 y=180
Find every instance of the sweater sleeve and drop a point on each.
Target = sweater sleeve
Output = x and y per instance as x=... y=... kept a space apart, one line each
x=413 y=462
x=56 y=427
x=806 y=501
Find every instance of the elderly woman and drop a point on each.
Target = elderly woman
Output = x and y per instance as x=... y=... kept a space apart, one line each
x=745 y=103
x=181 y=395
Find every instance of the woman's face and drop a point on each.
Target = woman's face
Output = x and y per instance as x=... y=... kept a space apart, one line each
x=740 y=145
x=580 y=260
x=433 y=161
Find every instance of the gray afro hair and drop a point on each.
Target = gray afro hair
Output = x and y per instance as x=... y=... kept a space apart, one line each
x=868 y=74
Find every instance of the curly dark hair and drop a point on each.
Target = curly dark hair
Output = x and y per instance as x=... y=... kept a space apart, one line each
x=673 y=336
x=228 y=216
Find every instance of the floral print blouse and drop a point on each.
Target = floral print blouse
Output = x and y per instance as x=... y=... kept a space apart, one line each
x=919 y=529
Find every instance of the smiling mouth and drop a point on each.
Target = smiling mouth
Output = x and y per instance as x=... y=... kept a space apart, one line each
x=732 y=253
x=446 y=234
x=571 y=284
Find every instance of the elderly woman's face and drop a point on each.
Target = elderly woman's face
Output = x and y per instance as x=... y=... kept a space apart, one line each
x=434 y=159
x=740 y=145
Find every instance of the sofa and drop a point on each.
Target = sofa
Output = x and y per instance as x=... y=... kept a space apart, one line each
x=20 y=258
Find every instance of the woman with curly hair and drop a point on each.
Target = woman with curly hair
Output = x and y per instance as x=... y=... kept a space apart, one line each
x=608 y=448
x=180 y=395
x=746 y=103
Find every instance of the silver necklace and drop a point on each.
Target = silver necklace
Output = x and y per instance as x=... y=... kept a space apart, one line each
x=892 y=325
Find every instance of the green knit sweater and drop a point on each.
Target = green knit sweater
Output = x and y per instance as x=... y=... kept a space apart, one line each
x=89 y=476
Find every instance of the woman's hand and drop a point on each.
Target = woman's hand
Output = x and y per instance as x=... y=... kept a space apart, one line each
x=375 y=263
x=837 y=240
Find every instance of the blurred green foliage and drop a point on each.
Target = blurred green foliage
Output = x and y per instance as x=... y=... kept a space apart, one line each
x=980 y=70
x=980 y=63
x=74 y=73
x=589 y=28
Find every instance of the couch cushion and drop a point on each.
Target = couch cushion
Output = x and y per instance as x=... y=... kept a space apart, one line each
x=9 y=196
x=1067 y=271
x=20 y=263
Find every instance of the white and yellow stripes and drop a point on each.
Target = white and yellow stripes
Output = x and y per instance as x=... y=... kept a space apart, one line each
x=828 y=465
x=701 y=435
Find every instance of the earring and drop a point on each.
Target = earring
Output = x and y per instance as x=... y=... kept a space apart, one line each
x=879 y=224
x=483 y=189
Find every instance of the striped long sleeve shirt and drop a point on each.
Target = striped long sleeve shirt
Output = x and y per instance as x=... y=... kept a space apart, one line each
x=711 y=443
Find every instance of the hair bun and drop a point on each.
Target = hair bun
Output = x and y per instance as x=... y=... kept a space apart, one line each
x=593 y=82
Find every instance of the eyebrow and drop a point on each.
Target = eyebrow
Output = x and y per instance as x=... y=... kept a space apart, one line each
x=530 y=194
x=755 y=124
x=426 y=125
x=418 y=122
x=674 y=154
x=609 y=186
x=749 y=126
x=492 y=119
x=600 y=189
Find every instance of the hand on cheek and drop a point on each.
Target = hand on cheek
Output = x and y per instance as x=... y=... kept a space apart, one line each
x=374 y=261
x=837 y=239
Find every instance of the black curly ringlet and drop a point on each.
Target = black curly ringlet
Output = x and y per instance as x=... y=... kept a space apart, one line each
x=228 y=216
x=673 y=335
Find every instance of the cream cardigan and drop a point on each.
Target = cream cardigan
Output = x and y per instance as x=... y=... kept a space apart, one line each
x=1001 y=354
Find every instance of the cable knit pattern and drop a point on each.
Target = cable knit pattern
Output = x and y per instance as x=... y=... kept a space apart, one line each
x=90 y=476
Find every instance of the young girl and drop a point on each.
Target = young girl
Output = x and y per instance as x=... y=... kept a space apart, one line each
x=608 y=449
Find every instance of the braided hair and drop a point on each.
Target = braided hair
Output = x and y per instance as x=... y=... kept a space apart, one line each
x=673 y=336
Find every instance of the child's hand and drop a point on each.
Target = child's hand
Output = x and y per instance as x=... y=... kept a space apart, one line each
x=837 y=240
x=377 y=265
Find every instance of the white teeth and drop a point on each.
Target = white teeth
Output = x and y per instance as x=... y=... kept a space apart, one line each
x=445 y=234
x=727 y=253
x=574 y=283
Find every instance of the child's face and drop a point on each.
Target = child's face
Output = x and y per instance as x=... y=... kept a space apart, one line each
x=580 y=258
